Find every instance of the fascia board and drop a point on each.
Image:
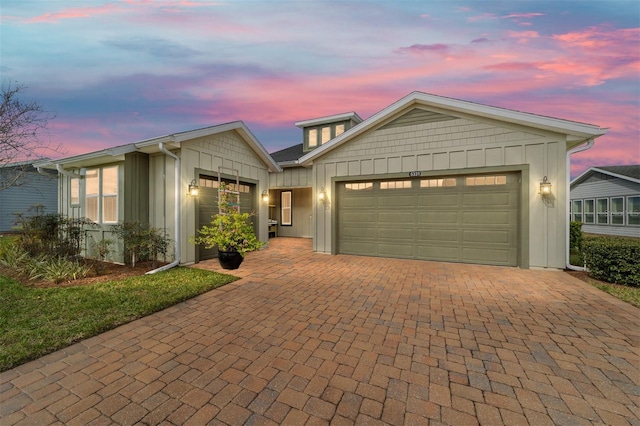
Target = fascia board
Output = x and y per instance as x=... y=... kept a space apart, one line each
x=328 y=119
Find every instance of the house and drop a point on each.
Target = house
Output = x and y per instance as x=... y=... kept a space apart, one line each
x=606 y=199
x=23 y=187
x=427 y=177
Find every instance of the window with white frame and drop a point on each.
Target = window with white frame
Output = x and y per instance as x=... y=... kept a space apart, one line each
x=602 y=211
x=101 y=195
x=633 y=210
x=576 y=210
x=617 y=211
x=589 y=211
x=285 y=208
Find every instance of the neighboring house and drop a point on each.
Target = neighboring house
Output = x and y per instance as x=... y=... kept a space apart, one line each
x=428 y=177
x=606 y=199
x=22 y=187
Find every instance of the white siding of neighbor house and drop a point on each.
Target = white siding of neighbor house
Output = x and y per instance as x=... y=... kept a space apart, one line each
x=453 y=146
x=204 y=155
x=614 y=187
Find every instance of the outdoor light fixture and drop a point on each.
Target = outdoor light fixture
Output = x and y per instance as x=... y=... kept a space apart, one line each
x=322 y=195
x=194 y=190
x=265 y=195
x=545 y=187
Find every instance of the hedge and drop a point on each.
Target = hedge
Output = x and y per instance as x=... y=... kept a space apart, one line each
x=613 y=259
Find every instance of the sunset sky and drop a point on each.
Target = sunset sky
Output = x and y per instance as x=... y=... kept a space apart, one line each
x=116 y=72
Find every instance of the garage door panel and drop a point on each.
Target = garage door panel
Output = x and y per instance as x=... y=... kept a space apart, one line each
x=500 y=218
x=359 y=201
x=443 y=200
x=396 y=201
x=438 y=252
x=487 y=236
x=437 y=217
x=486 y=256
x=395 y=250
x=396 y=233
x=438 y=235
x=359 y=216
x=357 y=247
x=399 y=217
x=359 y=232
x=502 y=199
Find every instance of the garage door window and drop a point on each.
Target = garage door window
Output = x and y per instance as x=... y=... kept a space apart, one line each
x=437 y=183
x=360 y=186
x=397 y=184
x=486 y=180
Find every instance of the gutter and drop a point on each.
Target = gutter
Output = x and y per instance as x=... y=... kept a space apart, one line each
x=589 y=145
x=178 y=253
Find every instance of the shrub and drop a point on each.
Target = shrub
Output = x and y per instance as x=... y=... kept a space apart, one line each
x=141 y=242
x=57 y=270
x=575 y=235
x=613 y=259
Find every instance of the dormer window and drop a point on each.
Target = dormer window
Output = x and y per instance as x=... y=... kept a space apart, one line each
x=319 y=131
x=313 y=138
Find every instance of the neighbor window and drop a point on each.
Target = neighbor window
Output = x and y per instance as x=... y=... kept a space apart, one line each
x=101 y=195
x=285 y=208
x=576 y=210
x=589 y=210
x=602 y=211
x=617 y=211
x=633 y=210
x=74 y=190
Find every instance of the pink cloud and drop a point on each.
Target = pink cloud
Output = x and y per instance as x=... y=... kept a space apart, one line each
x=523 y=36
x=422 y=48
x=73 y=13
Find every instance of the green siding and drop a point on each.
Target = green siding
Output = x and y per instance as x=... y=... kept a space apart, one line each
x=136 y=187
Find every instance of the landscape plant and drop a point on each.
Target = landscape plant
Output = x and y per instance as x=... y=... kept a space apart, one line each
x=613 y=259
x=141 y=242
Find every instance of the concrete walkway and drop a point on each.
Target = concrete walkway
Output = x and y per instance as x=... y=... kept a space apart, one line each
x=308 y=338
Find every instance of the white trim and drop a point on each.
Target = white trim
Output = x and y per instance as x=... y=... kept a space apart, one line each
x=329 y=119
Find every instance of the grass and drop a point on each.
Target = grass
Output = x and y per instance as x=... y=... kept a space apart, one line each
x=625 y=293
x=37 y=321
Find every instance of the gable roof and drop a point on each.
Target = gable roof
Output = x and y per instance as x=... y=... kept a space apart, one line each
x=630 y=173
x=151 y=146
x=576 y=132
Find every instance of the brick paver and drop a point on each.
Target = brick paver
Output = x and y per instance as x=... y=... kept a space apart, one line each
x=308 y=338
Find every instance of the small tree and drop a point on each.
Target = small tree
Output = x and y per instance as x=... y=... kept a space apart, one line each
x=141 y=242
x=22 y=127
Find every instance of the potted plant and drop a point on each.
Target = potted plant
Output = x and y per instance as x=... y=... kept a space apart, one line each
x=230 y=231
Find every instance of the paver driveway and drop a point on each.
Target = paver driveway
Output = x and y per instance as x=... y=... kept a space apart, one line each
x=314 y=339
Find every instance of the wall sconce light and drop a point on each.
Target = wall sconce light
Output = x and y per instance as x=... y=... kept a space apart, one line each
x=265 y=196
x=322 y=195
x=194 y=190
x=545 y=187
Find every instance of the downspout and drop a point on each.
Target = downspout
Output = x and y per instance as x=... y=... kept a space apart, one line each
x=176 y=172
x=589 y=145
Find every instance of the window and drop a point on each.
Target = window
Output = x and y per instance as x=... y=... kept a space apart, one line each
x=313 y=137
x=74 y=189
x=398 y=184
x=617 y=211
x=486 y=180
x=437 y=183
x=91 y=195
x=589 y=211
x=326 y=134
x=110 y=194
x=633 y=210
x=602 y=211
x=576 y=210
x=339 y=129
x=285 y=208
x=101 y=195
x=360 y=186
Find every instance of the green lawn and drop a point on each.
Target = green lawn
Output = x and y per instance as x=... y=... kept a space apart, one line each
x=623 y=292
x=37 y=321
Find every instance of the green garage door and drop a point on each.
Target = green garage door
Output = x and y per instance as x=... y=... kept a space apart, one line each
x=470 y=219
x=208 y=206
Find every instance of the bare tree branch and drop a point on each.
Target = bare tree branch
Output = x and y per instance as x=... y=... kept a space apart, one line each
x=24 y=137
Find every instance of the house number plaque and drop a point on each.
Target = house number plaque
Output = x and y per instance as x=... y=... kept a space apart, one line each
x=414 y=174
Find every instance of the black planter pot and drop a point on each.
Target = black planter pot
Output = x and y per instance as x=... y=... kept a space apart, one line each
x=230 y=259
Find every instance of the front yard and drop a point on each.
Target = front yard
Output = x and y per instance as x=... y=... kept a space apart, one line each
x=35 y=321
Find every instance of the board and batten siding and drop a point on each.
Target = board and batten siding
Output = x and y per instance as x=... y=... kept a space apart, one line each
x=614 y=187
x=454 y=146
x=293 y=177
x=204 y=155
